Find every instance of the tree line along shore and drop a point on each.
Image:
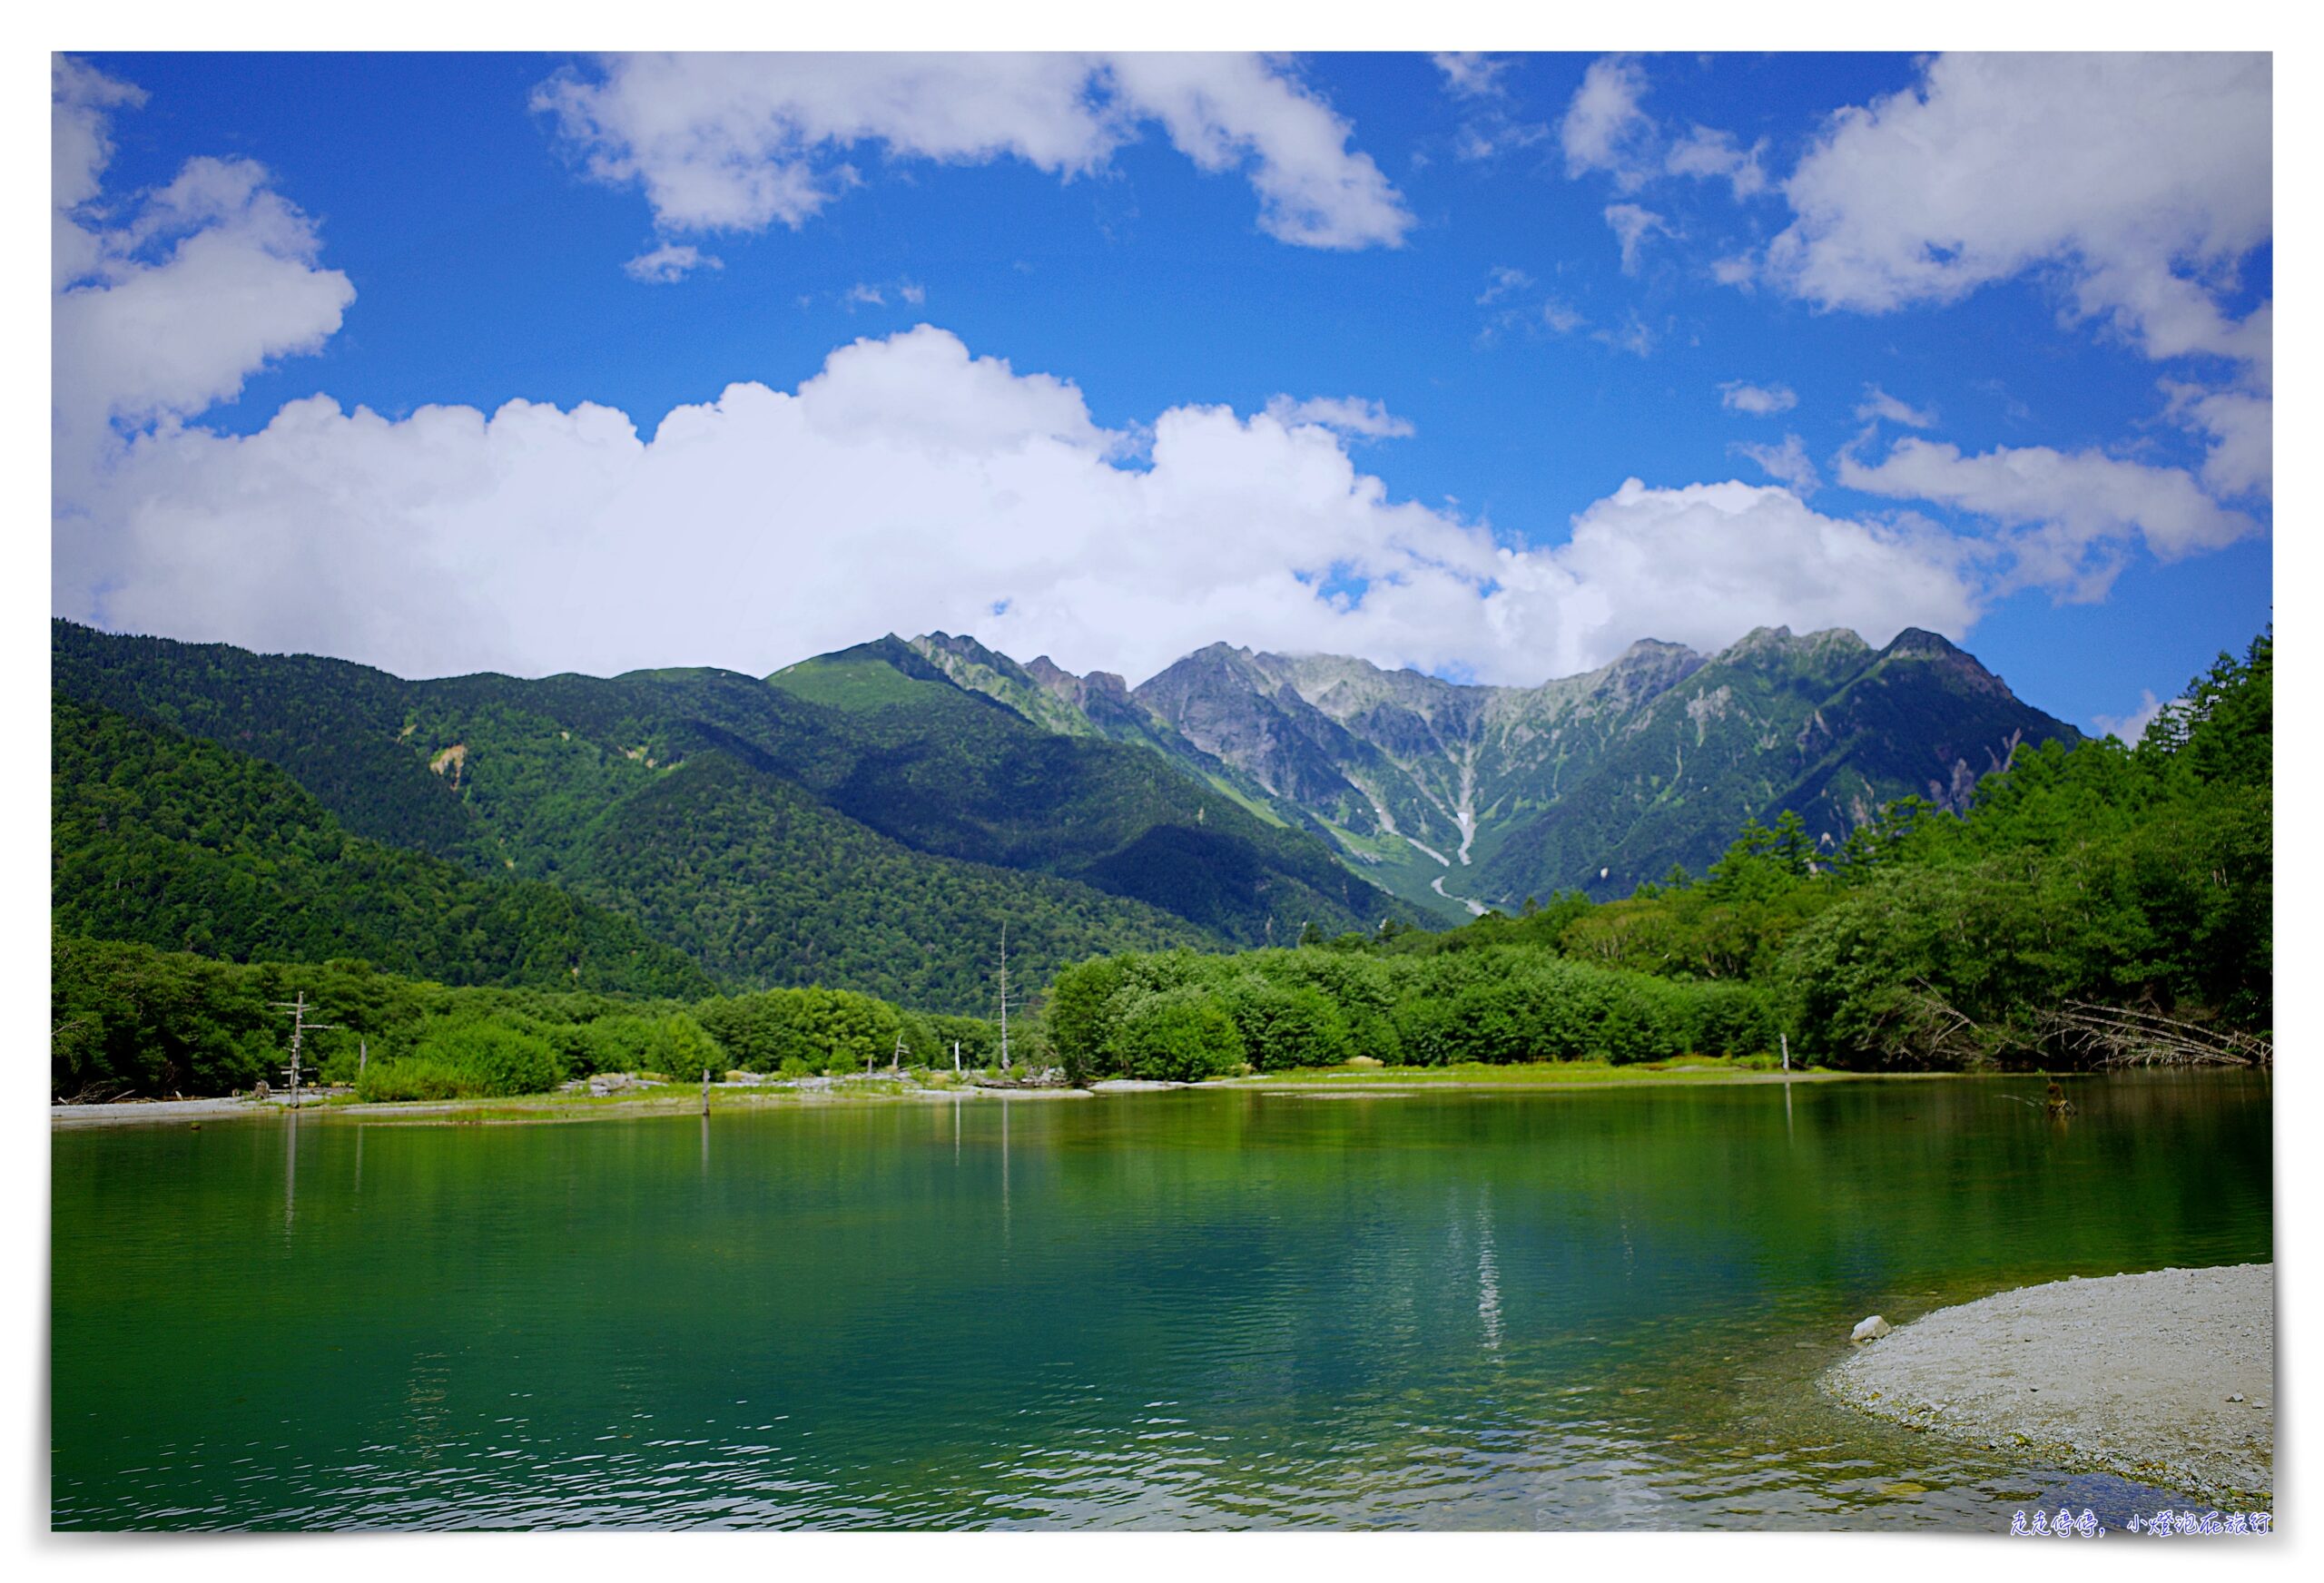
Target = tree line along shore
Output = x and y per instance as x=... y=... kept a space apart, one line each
x=2096 y=903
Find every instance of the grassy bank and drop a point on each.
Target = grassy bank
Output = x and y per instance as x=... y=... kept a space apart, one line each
x=685 y=1098
x=1696 y=1070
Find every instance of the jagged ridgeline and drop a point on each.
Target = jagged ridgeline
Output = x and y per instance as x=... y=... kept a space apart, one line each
x=1448 y=794
x=858 y=822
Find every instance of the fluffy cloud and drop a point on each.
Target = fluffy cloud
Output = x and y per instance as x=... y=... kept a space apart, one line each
x=80 y=141
x=1703 y=564
x=2242 y=428
x=1632 y=225
x=1758 y=400
x=910 y=485
x=166 y=301
x=1707 y=153
x=1605 y=129
x=2071 y=516
x=1786 y=463
x=2125 y=169
x=669 y=262
x=1470 y=74
x=2140 y=181
x=739 y=142
x=1878 y=406
x=1349 y=415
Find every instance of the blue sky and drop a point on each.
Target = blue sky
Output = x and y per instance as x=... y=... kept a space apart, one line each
x=1969 y=352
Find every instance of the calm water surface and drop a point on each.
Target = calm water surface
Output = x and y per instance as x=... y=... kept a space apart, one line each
x=1583 y=1309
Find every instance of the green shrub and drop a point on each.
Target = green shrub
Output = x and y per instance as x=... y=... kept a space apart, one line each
x=680 y=1046
x=1424 y=1027
x=1175 y=1036
x=461 y=1057
x=825 y=1029
x=1283 y=1028
x=416 y=1077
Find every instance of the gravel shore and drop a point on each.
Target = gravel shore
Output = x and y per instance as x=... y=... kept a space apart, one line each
x=2166 y=1378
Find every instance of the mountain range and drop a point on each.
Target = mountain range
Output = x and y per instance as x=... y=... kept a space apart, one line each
x=1483 y=796
x=868 y=819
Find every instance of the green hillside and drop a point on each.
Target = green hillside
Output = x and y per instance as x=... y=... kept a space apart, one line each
x=767 y=886
x=181 y=844
x=946 y=769
x=1820 y=726
x=860 y=821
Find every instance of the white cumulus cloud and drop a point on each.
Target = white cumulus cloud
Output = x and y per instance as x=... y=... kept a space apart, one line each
x=164 y=302
x=2140 y=183
x=1605 y=128
x=1632 y=225
x=740 y=141
x=669 y=262
x=910 y=485
x=1787 y=463
x=2241 y=426
x=2070 y=515
x=1878 y=405
x=1349 y=415
x=2145 y=176
x=1702 y=565
x=1758 y=400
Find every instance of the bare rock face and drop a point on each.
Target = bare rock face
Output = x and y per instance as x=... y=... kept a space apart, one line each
x=1871 y=1329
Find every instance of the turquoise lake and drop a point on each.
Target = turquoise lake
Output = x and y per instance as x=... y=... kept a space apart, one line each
x=1583 y=1309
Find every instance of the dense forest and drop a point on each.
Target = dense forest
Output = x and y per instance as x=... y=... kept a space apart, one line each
x=129 y=1020
x=159 y=838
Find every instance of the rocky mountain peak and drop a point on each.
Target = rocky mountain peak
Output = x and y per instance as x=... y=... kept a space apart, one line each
x=1919 y=646
x=1051 y=674
x=1650 y=667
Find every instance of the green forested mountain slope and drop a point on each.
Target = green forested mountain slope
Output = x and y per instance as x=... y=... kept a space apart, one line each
x=884 y=829
x=174 y=842
x=951 y=770
x=1820 y=726
x=767 y=886
x=1490 y=794
x=333 y=725
x=1100 y=704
